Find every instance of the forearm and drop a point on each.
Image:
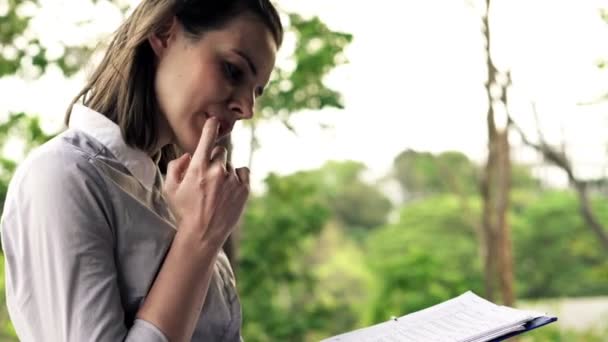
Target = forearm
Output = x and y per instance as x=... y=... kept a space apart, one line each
x=176 y=298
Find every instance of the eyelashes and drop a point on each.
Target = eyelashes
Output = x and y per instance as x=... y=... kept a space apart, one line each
x=236 y=75
x=233 y=72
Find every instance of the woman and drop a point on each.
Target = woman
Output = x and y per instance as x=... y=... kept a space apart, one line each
x=98 y=246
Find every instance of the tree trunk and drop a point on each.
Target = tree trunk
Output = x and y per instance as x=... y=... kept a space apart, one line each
x=504 y=229
x=495 y=188
x=496 y=230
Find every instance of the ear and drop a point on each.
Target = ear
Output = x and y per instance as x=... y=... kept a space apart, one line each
x=160 y=40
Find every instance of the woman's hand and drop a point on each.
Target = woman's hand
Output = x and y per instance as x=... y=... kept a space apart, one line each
x=206 y=195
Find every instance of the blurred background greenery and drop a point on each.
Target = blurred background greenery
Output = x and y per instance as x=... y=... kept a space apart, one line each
x=327 y=250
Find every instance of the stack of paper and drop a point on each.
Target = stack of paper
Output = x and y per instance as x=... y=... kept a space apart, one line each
x=466 y=318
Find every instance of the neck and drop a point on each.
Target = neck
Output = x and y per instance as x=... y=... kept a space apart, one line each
x=165 y=136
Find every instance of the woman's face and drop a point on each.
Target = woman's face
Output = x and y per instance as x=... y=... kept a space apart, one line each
x=220 y=75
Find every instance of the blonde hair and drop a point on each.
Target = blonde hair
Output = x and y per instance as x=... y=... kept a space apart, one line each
x=122 y=86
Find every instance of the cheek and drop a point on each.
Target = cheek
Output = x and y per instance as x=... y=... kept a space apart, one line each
x=190 y=133
x=176 y=80
x=214 y=86
x=187 y=132
x=199 y=88
x=170 y=85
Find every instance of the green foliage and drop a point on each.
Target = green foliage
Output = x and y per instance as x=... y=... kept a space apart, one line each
x=353 y=202
x=550 y=237
x=521 y=178
x=344 y=279
x=360 y=206
x=30 y=52
x=12 y=25
x=7 y=332
x=276 y=285
x=297 y=284
x=318 y=50
x=430 y=255
x=424 y=173
x=416 y=171
x=421 y=173
x=24 y=128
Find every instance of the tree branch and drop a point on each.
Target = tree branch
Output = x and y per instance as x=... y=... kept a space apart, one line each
x=560 y=160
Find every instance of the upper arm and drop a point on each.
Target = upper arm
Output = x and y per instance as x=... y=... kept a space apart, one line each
x=59 y=250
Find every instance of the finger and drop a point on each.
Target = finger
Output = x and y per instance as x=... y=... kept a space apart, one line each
x=219 y=154
x=243 y=175
x=202 y=155
x=176 y=169
x=229 y=168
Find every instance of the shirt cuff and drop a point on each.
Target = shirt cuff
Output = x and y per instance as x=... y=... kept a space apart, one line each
x=145 y=331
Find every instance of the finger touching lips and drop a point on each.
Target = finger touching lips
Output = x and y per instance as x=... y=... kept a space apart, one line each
x=207 y=141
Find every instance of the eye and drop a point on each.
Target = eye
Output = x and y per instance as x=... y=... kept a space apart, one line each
x=233 y=72
x=259 y=91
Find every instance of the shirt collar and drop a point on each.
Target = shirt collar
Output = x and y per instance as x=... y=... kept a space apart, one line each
x=108 y=133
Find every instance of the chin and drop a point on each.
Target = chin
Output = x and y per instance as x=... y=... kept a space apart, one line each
x=190 y=148
x=186 y=145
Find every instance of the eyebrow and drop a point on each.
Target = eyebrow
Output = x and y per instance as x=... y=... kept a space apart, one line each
x=254 y=70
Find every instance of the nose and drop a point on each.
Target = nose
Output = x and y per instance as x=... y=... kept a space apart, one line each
x=242 y=105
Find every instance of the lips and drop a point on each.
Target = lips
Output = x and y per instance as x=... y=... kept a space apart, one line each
x=225 y=126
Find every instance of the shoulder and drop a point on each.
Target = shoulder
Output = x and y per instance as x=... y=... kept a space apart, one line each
x=58 y=185
x=61 y=158
x=61 y=168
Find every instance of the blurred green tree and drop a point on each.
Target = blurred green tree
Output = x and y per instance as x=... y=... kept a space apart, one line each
x=276 y=283
x=285 y=265
x=23 y=50
x=18 y=127
x=428 y=256
x=554 y=253
x=354 y=203
x=424 y=173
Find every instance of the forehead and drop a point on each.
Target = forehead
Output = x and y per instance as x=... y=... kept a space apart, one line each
x=248 y=34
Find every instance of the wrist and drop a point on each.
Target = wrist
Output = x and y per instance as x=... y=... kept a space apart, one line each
x=196 y=238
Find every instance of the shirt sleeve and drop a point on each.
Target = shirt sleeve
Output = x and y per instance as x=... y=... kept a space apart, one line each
x=61 y=277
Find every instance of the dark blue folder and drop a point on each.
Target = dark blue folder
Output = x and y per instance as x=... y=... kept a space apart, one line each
x=533 y=324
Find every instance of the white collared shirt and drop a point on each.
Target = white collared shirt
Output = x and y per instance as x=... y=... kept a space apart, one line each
x=108 y=133
x=85 y=229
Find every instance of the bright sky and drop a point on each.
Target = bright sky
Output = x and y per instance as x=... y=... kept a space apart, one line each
x=415 y=80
